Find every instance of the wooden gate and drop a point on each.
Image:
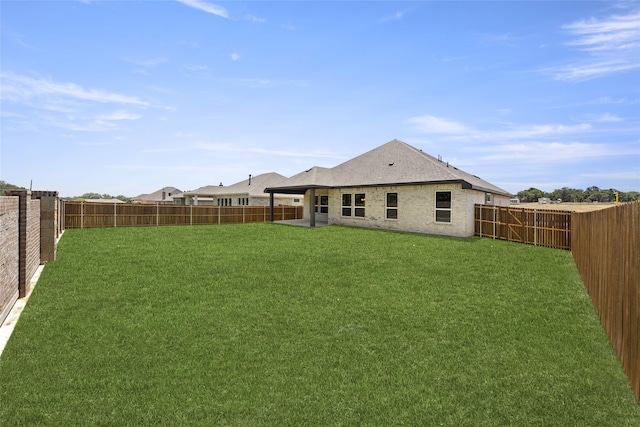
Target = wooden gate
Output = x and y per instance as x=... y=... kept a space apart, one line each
x=540 y=227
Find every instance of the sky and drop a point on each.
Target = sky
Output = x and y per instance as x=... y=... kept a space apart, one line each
x=127 y=97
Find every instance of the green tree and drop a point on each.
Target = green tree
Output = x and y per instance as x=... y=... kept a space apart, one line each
x=629 y=196
x=530 y=195
x=6 y=186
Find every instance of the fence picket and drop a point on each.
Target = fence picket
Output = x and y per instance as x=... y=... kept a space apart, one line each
x=605 y=245
x=538 y=227
x=92 y=215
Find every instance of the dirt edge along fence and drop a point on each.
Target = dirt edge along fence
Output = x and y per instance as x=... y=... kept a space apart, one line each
x=605 y=246
x=100 y=215
x=540 y=227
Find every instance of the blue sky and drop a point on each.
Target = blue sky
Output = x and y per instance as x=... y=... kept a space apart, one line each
x=127 y=97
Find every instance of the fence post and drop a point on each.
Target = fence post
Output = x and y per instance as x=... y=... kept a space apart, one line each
x=81 y=214
x=243 y=214
x=480 y=208
x=535 y=227
x=494 y=222
x=157 y=214
x=115 y=215
x=190 y=214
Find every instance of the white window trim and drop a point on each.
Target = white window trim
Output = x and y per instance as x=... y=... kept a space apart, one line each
x=342 y=206
x=488 y=198
x=436 y=209
x=386 y=207
x=363 y=207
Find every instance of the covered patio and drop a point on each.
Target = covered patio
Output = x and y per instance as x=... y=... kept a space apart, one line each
x=307 y=181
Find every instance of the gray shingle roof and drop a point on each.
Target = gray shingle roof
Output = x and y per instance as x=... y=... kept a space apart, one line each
x=156 y=196
x=394 y=163
x=256 y=188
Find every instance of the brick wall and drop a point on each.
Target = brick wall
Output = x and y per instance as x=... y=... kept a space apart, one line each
x=49 y=224
x=32 y=240
x=30 y=226
x=8 y=254
x=29 y=238
x=416 y=208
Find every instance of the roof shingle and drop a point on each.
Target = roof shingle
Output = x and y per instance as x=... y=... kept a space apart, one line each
x=395 y=162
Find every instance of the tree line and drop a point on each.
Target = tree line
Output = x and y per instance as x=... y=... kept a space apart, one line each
x=93 y=196
x=7 y=186
x=573 y=195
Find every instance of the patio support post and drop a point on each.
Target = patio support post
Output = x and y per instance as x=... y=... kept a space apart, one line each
x=312 y=208
x=271 y=207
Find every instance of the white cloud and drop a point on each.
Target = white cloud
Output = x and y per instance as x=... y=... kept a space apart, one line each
x=118 y=115
x=618 y=175
x=230 y=148
x=607 y=117
x=590 y=69
x=611 y=45
x=206 y=7
x=198 y=69
x=254 y=18
x=235 y=56
x=98 y=123
x=455 y=131
x=21 y=88
x=145 y=62
x=544 y=153
x=432 y=124
x=395 y=17
x=615 y=33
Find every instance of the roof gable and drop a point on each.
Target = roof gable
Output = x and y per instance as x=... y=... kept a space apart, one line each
x=157 y=195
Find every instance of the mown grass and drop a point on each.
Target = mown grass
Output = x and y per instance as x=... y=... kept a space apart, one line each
x=264 y=324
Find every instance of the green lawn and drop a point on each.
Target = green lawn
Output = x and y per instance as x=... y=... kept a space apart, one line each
x=266 y=324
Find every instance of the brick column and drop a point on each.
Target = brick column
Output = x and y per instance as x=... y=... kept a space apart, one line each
x=28 y=240
x=48 y=224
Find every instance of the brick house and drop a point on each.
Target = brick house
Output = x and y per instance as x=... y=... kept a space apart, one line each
x=249 y=192
x=163 y=196
x=395 y=187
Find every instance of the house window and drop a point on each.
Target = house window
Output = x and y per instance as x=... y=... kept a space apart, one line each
x=324 y=204
x=350 y=200
x=323 y=207
x=392 y=206
x=359 y=210
x=488 y=198
x=296 y=200
x=346 y=205
x=243 y=201
x=443 y=206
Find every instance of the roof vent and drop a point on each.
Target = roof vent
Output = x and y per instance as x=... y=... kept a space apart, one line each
x=391 y=164
x=439 y=158
x=221 y=185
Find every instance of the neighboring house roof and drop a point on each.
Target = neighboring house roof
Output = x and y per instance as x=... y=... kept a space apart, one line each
x=158 y=196
x=394 y=163
x=253 y=186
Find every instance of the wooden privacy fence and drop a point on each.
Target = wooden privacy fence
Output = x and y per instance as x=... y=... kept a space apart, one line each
x=605 y=245
x=541 y=227
x=96 y=215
